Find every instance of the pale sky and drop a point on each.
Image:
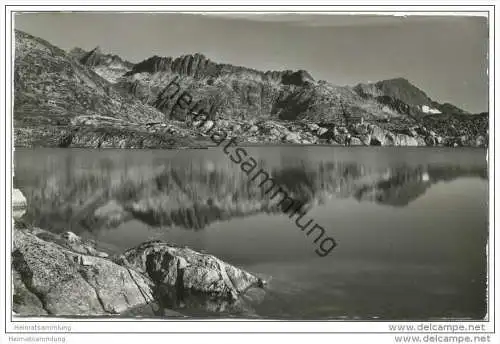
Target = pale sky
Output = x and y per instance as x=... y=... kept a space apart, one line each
x=444 y=56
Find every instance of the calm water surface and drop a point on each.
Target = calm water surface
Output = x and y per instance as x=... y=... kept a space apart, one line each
x=411 y=224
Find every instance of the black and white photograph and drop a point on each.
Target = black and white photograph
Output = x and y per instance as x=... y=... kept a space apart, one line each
x=250 y=165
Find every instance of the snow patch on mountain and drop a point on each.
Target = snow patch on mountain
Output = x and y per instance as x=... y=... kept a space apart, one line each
x=427 y=109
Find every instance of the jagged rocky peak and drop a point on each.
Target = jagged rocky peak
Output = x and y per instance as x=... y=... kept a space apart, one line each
x=401 y=90
x=96 y=57
x=77 y=53
x=195 y=65
x=396 y=88
x=398 y=82
x=152 y=65
x=298 y=78
x=92 y=58
x=199 y=66
x=404 y=90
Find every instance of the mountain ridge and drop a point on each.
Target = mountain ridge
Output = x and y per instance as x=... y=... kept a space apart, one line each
x=186 y=65
x=92 y=90
x=198 y=65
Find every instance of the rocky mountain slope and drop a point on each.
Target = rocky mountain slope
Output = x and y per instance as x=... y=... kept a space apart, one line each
x=233 y=92
x=284 y=95
x=57 y=100
x=153 y=101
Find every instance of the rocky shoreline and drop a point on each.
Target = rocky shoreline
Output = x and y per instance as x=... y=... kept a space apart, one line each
x=64 y=275
x=356 y=134
x=197 y=134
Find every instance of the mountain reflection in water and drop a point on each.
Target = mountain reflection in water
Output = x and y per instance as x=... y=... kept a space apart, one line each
x=86 y=191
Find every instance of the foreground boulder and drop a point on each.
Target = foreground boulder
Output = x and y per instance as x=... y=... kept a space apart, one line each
x=64 y=275
x=184 y=276
x=70 y=283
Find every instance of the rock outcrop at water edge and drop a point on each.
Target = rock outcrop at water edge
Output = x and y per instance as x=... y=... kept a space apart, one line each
x=18 y=203
x=63 y=275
